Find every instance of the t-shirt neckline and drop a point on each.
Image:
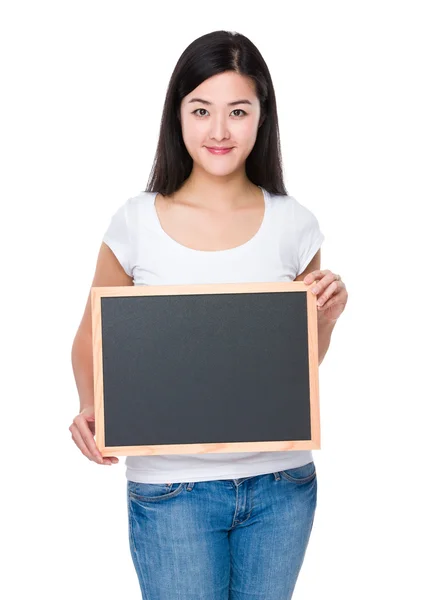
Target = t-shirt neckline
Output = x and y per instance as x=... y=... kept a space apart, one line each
x=234 y=250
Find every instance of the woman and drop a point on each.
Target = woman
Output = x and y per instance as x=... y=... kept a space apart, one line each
x=214 y=526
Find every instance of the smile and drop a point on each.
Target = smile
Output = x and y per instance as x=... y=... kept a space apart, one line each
x=219 y=151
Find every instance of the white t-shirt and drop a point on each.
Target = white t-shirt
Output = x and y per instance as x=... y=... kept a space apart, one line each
x=281 y=249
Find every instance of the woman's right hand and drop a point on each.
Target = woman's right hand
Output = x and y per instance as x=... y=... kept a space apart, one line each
x=83 y=431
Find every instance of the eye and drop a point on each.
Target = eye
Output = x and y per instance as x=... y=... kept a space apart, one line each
x=195 y=111
x=240 y=110
x=235 y=110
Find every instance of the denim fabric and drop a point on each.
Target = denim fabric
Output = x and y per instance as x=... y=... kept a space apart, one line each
x=233 y=539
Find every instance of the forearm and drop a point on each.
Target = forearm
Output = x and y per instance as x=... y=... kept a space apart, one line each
x=325 y=329
x=82 y=362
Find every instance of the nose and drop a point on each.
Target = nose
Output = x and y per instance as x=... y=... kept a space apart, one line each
x=218 y=128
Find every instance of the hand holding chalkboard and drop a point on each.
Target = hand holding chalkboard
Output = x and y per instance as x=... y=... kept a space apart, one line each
x=83 y=431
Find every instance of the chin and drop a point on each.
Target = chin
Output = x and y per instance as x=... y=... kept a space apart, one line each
x=219 y=173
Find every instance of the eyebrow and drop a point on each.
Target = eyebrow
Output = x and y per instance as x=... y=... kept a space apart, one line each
x=243 y=101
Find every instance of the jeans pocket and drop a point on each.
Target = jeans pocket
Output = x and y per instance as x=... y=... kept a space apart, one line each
x=153 y=492
x=301 y=474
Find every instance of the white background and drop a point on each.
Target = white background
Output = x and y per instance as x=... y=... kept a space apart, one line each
x=83 y=90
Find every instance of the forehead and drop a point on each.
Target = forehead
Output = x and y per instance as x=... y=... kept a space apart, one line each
x=223 y=88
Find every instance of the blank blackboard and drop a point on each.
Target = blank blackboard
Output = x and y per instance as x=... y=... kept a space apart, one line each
x=205 y=368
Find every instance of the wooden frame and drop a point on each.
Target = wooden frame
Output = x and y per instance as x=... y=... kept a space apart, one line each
x=97 y=293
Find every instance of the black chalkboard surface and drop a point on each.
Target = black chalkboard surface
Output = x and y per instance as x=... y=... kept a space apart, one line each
x=205 y=368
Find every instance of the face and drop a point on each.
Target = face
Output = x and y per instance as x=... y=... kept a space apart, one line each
x=218 y=118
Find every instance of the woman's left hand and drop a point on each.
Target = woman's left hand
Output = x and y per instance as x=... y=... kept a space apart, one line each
x=331 y=293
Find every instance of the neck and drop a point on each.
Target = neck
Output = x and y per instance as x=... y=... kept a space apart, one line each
x=218 y=193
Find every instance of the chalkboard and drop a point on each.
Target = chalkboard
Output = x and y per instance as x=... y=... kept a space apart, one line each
x=205 y=368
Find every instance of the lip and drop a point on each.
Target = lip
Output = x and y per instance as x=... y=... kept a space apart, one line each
x=218 y=150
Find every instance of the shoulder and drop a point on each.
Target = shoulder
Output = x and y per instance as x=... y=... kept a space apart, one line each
x=129 y=215
x=280 y=204
x=135 y=206
x=294 y=211
x=141 y=199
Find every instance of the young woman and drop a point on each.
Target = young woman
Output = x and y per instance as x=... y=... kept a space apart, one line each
x=214 y=526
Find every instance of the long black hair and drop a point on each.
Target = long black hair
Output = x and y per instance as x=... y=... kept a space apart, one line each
x=206 y=56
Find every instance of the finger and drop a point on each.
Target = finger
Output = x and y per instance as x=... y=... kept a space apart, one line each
x=78 y=440
x=107 y=460
x=91 y=426
x=88 y=438
x=314 y=275
x=321 y=286
x=85 y=450
x=332 y=290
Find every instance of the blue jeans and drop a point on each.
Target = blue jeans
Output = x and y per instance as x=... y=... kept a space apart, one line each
x=233 y=539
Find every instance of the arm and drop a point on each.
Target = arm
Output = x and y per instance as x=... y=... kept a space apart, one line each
x=325 y=327
x=108 y=272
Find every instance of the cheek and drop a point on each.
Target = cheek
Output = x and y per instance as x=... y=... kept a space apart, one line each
x=246 y=132
x=193 y=135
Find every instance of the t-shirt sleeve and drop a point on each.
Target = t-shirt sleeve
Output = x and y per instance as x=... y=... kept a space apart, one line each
x=118 y=238
x=309 y=235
